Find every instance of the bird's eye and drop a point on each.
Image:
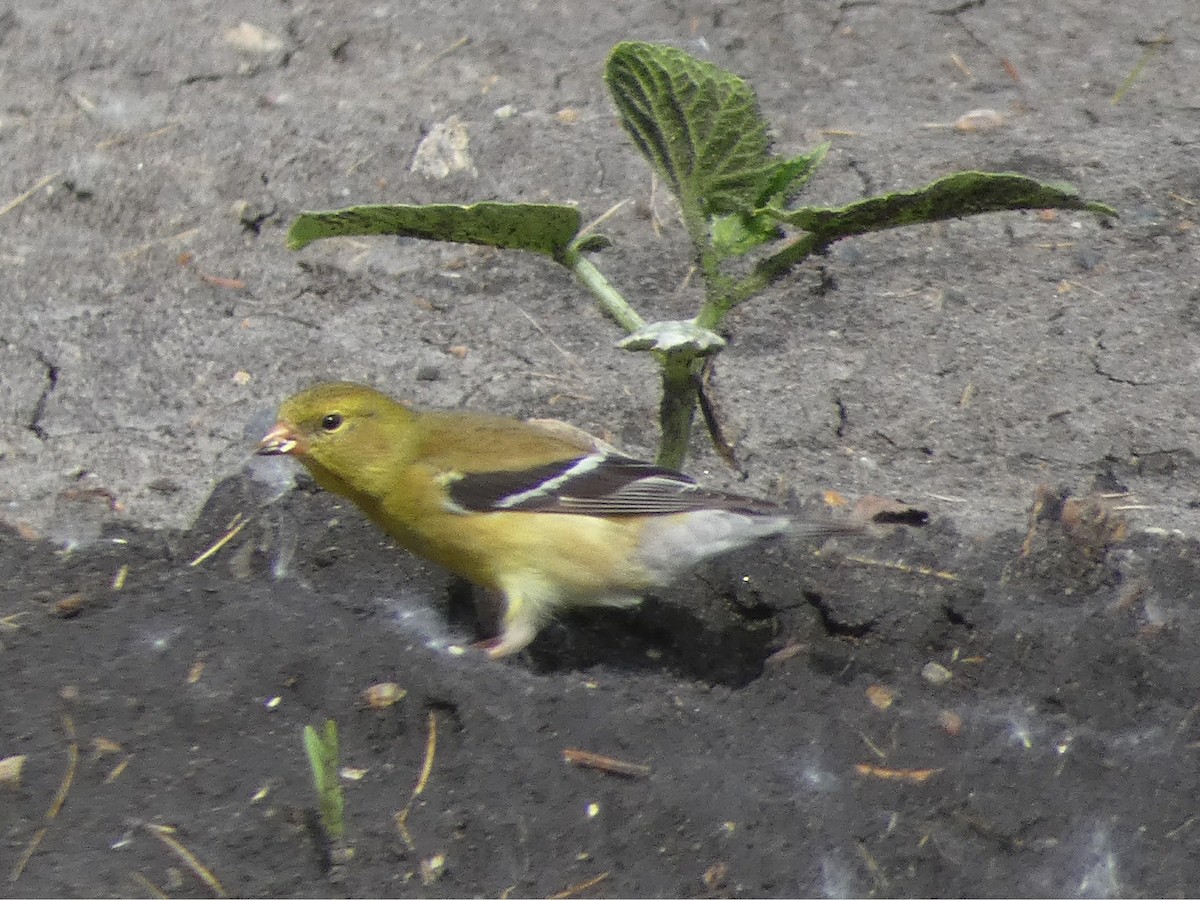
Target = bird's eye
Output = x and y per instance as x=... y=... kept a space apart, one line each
x=332 y=422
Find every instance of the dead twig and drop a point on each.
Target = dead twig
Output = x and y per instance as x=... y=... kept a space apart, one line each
x=187 y=857
x=118 y=770
x=130 y=138
x=153 y=889
x=904 y=567
x=910 y=776
x=961 y=65
x=438 y=57
x=235 y=526
x=580 y=887
x=602 y=218
x=56 y=804
x=422 y=781
x=585 y=759
x=21 y=198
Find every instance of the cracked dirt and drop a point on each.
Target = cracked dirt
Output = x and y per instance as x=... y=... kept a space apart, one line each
x=997 y=704
x=39 y=406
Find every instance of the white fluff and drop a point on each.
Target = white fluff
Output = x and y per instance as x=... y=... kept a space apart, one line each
x=673 y=544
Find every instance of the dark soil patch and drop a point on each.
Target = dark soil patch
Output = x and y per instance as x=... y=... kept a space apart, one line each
x=1059 y=746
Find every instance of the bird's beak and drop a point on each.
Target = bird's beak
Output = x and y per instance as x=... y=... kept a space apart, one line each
x=282 y=440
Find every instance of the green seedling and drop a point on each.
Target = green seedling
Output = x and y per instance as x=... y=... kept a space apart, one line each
x=323 y=760
x=699 y=127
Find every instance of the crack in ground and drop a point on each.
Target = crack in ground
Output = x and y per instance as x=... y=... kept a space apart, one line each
x=843 y=418
x=39 y=408
x=868 y=183
x=1115 y=379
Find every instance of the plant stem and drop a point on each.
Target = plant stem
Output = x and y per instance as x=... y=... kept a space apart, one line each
x=609 y=298
x=768 y=270
x=679 y=374
x=680 y=380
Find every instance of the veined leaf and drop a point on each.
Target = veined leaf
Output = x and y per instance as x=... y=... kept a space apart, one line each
x=953 y=197
x=738 y=233
x=790 y=176
x=697 y=124
x=540 y=227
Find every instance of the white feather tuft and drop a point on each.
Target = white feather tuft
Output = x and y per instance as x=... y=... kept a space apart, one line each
x=673 y=544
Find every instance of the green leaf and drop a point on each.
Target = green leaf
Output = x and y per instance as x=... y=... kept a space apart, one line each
x=955 y=196
x=699 y=127
x=736 y=234
x=790 y=176
x=739 y=233
x=541 y=227
x=323 y=753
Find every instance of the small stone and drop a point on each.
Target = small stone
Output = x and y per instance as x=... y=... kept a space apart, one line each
x=950 y=722
x=444 y=150
x=433 y=868
x=251 y=38
x=383 y=695
x=936 y=673
x=10 y=771
x=881 y=696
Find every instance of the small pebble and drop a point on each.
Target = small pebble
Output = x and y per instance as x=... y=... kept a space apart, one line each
x=936 y=673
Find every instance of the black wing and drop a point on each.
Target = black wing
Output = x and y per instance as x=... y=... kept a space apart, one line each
x=599 y=484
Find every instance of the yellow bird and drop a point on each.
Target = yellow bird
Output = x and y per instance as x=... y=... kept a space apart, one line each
x=536 y=510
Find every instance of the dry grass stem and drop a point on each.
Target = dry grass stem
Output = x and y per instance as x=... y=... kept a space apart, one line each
x=188 y=858
x=239 y=522
x=422 y=781
x=579 y=887
x=585 y=759
x=18 y=200
x=56 y=804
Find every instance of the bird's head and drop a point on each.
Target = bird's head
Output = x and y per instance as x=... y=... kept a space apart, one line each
x=341 y=431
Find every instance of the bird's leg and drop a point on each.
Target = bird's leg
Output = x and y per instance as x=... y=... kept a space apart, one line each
x=512 y=623
x=520 y=624
x=517 y=634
